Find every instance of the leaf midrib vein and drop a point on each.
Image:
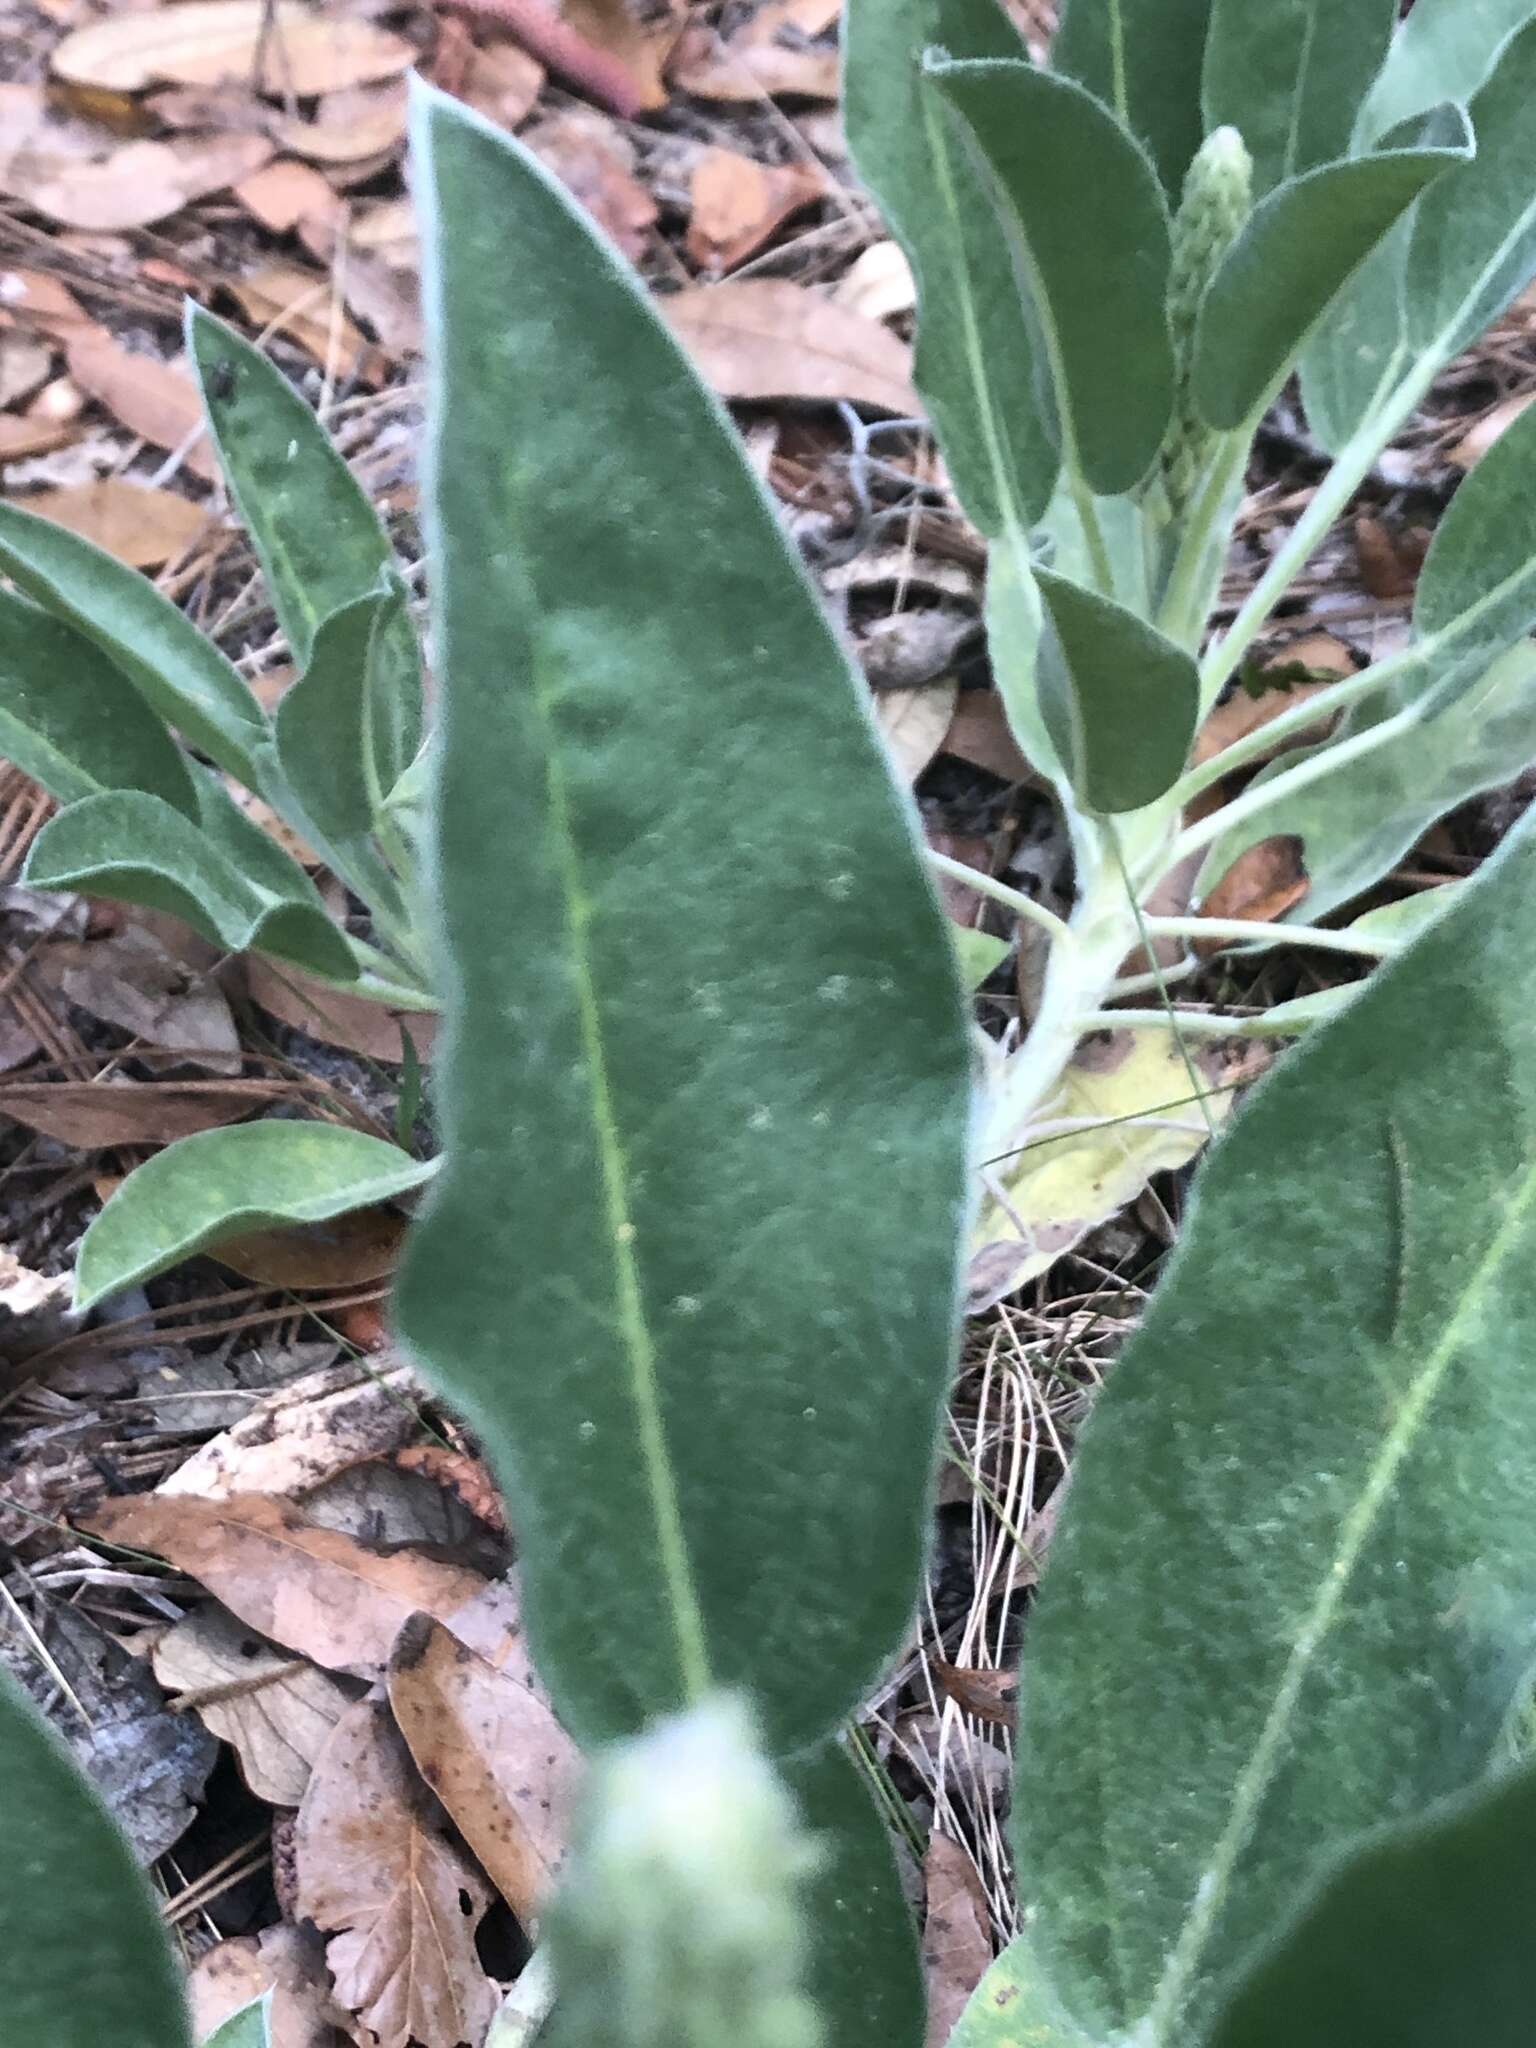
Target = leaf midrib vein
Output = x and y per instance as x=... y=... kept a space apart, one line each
x=1268 y=1751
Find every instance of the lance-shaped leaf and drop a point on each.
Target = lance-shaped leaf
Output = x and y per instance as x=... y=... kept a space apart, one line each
x=1293 y=1595
x=83 y=1958
x=324 y=722
x=707 y=1061
x=1144 y=60
x=71 y=719
x=1466 y=251
x=135 y=848
x=176 y=669
x=1443 y=50
x=1290 y=76
x=1420 y=1939
x=1120 y=700
x=1356 y=822
x=1087 y=225
x=1298 y=249
x=1477 y=589
x=865 y=1974
x=250 y=2027
x=319 y=541
x=973 y=358
x=221 y=1184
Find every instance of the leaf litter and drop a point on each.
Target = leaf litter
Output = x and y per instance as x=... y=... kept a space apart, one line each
x=176 y=150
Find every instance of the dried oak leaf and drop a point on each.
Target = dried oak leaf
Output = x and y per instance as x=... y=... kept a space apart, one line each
x=136 y=184
x=300 y=50
x=957 y=1940
x=275 y=1711
x=737 y=203
x=379 y=1871
x=493 y=1752
x=138 y=523
x=92 y=1115
x=313 y=1590
x=766 y=337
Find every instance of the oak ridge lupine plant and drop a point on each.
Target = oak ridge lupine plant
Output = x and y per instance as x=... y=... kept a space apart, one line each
x=692 y=1263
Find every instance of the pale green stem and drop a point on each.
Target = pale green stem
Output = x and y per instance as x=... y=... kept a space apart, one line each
x=1199 y=1023
x=1014 y=899
x=1093 y=532
x=1298 y=719
x=1259 y=796
x=1236 y=929
x=1179 y=615
x=1352 y=465
x=1144 y=933
x=1154 y=984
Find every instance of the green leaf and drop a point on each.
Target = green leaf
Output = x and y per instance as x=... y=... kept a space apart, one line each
x=247 y=2028
x=1477 y=589
x=324 y=720
x=1467 y=250
x=84 y=1962
x=972 y=362
x=1293 y=1595
x=1299 y=248
x=865 y=1974
x=1121 y=701
x=1422 y=1938
x=1012 y=2007
x=70 y=718
x=1443 y=50
x=1143 y=59
x=1357 y=823
x=176 y=669
x=687 y=1116
x=978 y=953
x=1087 y=224
x=221 y=1184
x=136 y=849
x=1290 y=77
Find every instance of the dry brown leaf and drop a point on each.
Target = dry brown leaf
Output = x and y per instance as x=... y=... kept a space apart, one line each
x=379 y=1871
x=1482 y=434
x=1262 y=884
x=989 y=1694
x=138 y=184
x=769 y=338
x=1390 y=561
x=595 y=160
x=980 y=733
x=913 y=723
x=20 y=438
x=743 y=69
x=287 y=1961
x=738 y=204
x=957 y=1939
x=348 y=126
x=276 y=1712
x=972 y=850
x=1241 y=712
x=333 y=1016
x=348 y=1251
x=879 y=284
x=142 y=525
x=494 y=1754
x=281 y=298
x=302 y=1434
x=31 y=299
x=464 y=1477
x=283 y=193
x=502 y=82
x=130 y=979
x=93 y=1115
x=301 y=50
x=642 y=48
x=154 y=399
x=24 y=367
x=313 y=1590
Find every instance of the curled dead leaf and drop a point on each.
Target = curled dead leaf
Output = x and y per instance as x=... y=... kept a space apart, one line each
x=957 y=1936
x=353 y=1250
x=334 y=1017
x=137 y=184
x=991 y=1695
x=493 y=1752
x=378 y=1870
x=738 y=204
x=281 y=298
x=767 y=337
x=314 y=1590
x=913 y=723
x=152 y=398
